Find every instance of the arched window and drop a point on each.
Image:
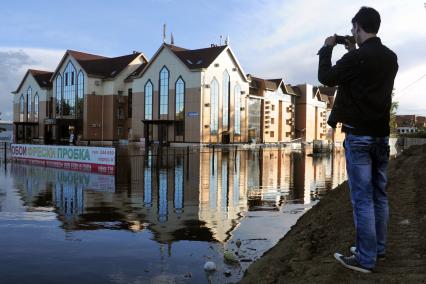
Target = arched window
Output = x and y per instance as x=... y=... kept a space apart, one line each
x=58 y=94
x=180 y=99
x=225 y=103
x=21 y=108
x=68 y=103
x=29 y=100
x=36 y=106
x=237 y=111
x=214 y=107
x=80 y=94
x=164 y=91
x=148 y=100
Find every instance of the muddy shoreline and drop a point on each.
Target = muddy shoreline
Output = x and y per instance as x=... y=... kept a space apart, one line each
x=305 y=254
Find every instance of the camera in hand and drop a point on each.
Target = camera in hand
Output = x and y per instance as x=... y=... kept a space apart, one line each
x=345 y=39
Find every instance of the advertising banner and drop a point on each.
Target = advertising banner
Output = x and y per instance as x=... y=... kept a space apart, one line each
x=91 y=159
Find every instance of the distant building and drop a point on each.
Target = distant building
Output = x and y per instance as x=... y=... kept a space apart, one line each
x=190 y=96
x=271 y=111
x=32 y=105
x=311 y=113
x=409 y=123
x=6 y=131
x=333 y=135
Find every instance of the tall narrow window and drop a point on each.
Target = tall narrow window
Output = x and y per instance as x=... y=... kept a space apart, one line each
x=148 y=100
x=29 y=100
x=21 y=108
x=129 y=102
x=80 y=94
x=164 y=91
x=69 y=98
x=214 y=107
x=36 y=106
x=237 y=111
x=58 y=94
x=225 y=103
x=180 y=99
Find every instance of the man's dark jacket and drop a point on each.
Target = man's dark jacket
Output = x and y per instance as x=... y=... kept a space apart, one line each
x=365 y=77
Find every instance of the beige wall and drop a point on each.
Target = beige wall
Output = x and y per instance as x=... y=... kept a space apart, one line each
x=272 y=117
x=176 y=69
x=44 y=104
x=197 y=97
x=311 y=115
x=225 y=62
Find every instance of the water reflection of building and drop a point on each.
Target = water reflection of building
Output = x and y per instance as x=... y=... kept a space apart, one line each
x=43 y=188
x=223 y=190
x=180 y=194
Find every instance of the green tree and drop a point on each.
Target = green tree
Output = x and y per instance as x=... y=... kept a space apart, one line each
x=392 y=121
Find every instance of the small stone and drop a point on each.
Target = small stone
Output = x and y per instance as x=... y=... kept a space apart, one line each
x=229 y=257
x=188 y=275
x=227 y=272
x=405 y=222
x=210 y=266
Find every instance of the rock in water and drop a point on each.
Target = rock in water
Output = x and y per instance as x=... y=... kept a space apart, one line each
x=230 y=257
x=210 y=266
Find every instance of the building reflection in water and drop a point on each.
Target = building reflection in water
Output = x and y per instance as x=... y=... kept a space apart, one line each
x=179 y=194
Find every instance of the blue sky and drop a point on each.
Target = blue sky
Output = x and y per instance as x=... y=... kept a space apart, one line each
x=270 y=38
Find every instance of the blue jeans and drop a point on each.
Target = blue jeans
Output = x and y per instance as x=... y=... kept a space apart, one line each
x=366 y=163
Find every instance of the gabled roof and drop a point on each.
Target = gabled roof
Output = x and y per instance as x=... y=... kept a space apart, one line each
x=296 y=90
x=107 y=67
x=317 y=92
x=137 y=71
x=290 y=90
x=270 y=84
x=78 y=55
x=100 y=66
x=328 y=91
x=194 y=59
x=197 y=58
x=42 y=78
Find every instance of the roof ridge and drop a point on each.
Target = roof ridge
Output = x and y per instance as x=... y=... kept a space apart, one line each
x=39 y=71
x=76 y=52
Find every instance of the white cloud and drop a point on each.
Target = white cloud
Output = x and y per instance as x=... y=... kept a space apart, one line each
x=281 y=38
x=14 y=62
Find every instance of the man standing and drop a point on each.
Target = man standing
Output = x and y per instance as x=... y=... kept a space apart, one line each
x=365 y=78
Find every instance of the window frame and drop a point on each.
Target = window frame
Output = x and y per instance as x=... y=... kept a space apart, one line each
x=144 y=101
x=163 y=88
x=214 y=107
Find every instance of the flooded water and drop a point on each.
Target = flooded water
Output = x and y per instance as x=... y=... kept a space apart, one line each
x=160 y=219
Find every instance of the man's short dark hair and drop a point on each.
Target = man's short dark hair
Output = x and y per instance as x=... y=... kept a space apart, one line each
x=368 y=19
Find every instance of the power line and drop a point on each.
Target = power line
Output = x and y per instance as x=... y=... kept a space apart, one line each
x=411 y=84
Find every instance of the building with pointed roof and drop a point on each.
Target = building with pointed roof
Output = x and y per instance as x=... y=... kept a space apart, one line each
x=311 y=113
x=87 y=94
x=32 y=105
x=272 y=113
x=190 y=96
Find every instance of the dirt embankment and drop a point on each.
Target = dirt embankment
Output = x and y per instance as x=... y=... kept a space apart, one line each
x=305 y=254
